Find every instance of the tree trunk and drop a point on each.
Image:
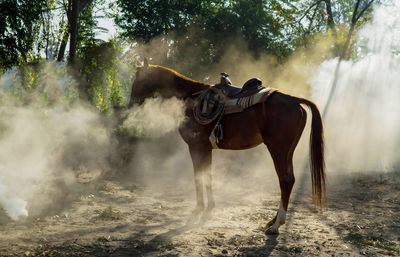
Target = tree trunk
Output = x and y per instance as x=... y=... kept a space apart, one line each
x=63 y=44
x=73 y=30
x=344 y=54
x=64 y=40
x=331 y=21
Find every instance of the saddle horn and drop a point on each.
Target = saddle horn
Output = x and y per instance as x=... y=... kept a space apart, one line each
x=225 y=81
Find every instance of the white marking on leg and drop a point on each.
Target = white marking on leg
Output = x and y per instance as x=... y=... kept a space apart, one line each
x=280 y=218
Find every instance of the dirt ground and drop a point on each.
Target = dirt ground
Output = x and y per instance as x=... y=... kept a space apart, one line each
x=120 y=218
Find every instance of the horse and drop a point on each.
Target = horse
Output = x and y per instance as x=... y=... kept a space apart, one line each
x=278 y=123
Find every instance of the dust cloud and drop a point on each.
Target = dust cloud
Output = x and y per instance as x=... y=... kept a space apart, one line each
x=156 y=116
x=44 y=149
x=51 y=154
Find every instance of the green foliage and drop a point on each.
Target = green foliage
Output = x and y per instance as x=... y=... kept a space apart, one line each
x=105 y=82
x=146 y=19
x=50 y=32
x=192 y=35
x=104 y=86
x=41 y=84
x=88 y=25
x=18 y=30
x=195 y=35
x=253 y=20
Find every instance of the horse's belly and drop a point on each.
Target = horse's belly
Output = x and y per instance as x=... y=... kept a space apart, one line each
x=240 y=132
x=240 y=143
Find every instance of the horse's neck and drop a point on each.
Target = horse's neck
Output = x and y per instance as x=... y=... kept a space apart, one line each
x=190 y=88
x=178 y=85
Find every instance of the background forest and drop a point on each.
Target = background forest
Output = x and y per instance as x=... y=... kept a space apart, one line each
x=192 y=36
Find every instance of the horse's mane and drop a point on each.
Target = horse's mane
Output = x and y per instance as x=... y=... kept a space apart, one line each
x=178 y=75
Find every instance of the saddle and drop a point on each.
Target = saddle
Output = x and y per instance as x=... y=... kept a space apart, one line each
x=251 y=87
x=211 y=103
x=223 y=98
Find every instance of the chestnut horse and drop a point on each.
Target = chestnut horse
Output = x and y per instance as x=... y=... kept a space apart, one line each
x=278 y=123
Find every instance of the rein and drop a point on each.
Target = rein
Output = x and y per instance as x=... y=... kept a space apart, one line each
x=201 y=114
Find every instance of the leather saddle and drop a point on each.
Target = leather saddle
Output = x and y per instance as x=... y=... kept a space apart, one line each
x=211 y=103
x=252 y=86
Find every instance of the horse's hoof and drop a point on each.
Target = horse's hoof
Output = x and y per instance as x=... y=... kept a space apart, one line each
x=207 y=215
x=210 y=207
x=194 y=216
x=272 y=231
x=197 y=210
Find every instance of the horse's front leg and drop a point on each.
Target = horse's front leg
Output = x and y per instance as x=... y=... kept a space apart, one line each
x=208 y=182
x=201 y=158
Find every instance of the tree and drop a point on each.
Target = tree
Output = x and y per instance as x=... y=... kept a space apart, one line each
x=196 y=34
x=147 y=19
x=101 y=82
x=73 y=9
x=19 y=25
x=357 y=14
x=323 y=16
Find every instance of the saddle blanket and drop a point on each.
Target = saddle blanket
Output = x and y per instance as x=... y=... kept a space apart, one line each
x=239 y=104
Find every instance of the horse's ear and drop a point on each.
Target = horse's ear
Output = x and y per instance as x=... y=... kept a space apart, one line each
x=146 y=63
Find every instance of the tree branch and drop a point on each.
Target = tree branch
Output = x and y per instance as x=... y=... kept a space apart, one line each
x=331 y=22
x=312 y=18
x=309 y=8
x=353 y=19
x=344 y=53
x=365 y=8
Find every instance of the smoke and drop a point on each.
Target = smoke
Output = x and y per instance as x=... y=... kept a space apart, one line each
x=363 y=122
x=156 y=116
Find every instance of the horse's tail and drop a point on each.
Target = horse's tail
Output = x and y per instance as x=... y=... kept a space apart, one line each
x=317 y=161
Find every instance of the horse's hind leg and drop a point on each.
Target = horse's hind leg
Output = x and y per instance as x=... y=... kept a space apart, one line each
x=201 y=158
x=284 y=170
x=282 y=147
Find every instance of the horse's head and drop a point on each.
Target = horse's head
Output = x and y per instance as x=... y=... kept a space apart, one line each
x=149 y=81
x=143 y=85
x=153 y=79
